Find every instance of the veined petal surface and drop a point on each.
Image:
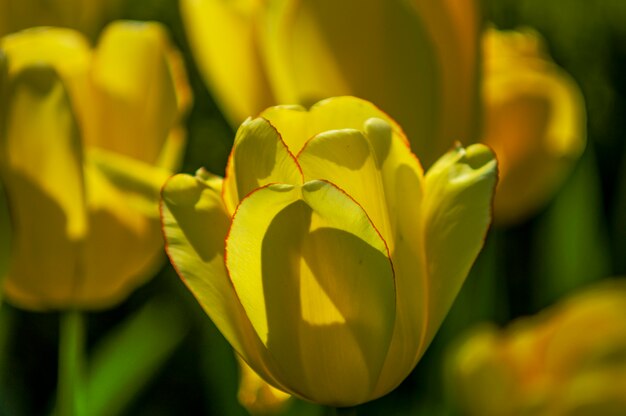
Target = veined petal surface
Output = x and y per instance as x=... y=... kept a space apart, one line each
x=457 y=211
x=315 y=279
x=259 y=157
x=297 y=125
x=195 y=224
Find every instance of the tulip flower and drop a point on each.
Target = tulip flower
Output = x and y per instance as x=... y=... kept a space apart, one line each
x=326 y=257
x=87 y=137
x=534 y=121
x=417 y=60
x=256 y=395
x=85 y=16
x=568 y=360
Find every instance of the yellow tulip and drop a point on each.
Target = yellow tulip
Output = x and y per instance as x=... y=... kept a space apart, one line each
x=85 y=16
x=326 y=257
x=87 y=137
x=417 y=60
x=256 y=395
x=534 y=120
x=568 y=360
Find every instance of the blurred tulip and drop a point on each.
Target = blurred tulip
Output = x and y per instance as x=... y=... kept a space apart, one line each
x=325 y=256
x=85 y=16
x=534 y=121
x=418 y=61
x=87 y=137
x=568 y=360
x=256 y=395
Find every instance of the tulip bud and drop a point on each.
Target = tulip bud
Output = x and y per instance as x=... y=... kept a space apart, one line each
x=326 y=257
x=82 y=181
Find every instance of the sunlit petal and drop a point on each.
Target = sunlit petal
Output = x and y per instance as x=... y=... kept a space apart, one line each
x=328 y=323
x=259 y=157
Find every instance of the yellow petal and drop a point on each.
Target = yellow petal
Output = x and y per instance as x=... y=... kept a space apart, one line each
x=297 y=125
x=345 y=158
x=458 y=192
x=454 y=29
x=123 y=247
x=135 y=91
x=259 y=157
x=195 y=223
x=41 y=167
x=382 y=51
x=374 y=166
x=314 y=277
x=258 y=397
x=139 y=182
x=534 y=121
x=223 y=38
x=65 y=50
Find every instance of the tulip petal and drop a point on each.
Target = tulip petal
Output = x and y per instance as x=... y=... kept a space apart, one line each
x=195 y=223
x=314 y=277
x=67 y=51
x=457 y=205
x=223 y=37
x=41 y=167
x=139 y=182
x=259 y=157
x=297 y=125
x=117 y=228
x=135 y=83
x=351 y=46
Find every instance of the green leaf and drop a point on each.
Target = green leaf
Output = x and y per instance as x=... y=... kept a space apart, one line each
x=127 y=360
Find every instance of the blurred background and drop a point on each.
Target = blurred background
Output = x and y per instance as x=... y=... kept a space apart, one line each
x=184 y=365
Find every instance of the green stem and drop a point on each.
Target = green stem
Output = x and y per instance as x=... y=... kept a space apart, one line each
x=71 y=348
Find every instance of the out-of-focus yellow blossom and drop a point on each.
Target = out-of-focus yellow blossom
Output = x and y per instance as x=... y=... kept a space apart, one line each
x=87 y=137
x=417 y=60
x=86 y=16
x=568 y=360
x=326 y=257
x=256 y=395
x=534 y=120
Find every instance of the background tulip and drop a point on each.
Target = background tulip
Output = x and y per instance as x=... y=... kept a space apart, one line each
x=343 y=256
x=417 y=60
x=256 y=395
x=534 y=121
x=568 y=360
x=88 y=136
x=88 y=17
